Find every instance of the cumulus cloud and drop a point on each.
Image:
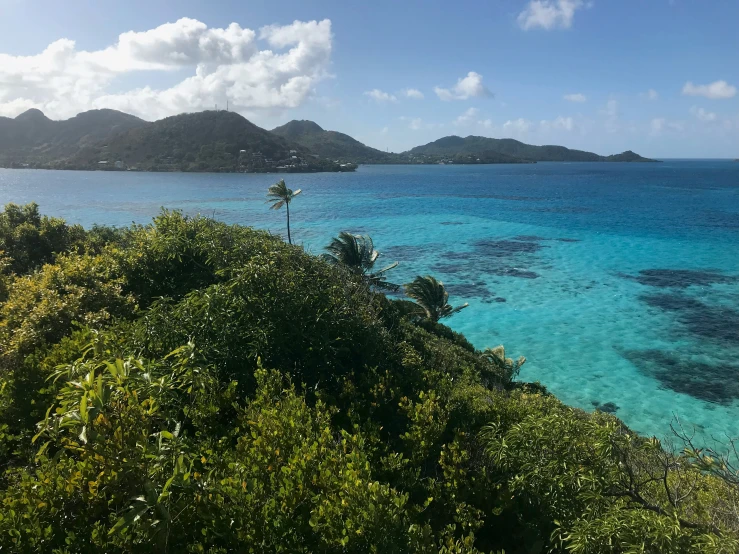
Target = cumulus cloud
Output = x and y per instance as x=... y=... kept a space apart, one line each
x=549 y=14
x=381 y=96
x=413 y=93
x=467 y=117
x=577 y=97
x=717 y=90
x=518 y=126
x=702 y=114
x=226 y=64
x=467 y=87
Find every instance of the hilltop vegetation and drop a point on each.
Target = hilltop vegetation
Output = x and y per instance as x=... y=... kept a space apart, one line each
x=190 y=386
x=455 y=146
x=34 y=139
x=331 y=144
x=202 y=141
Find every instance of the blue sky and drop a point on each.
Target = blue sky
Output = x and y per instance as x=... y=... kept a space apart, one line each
x=656 y=76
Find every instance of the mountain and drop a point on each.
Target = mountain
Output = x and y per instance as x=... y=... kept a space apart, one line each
x=473 y=145
x=201 y=141
x=33 y=138
x=331 y=144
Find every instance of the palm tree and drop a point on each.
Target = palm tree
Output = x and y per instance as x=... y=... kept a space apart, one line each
x=279 y=195
x=510 y=366
x=431 y=295
x=358 y=254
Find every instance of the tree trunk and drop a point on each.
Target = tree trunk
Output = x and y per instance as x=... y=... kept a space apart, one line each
x=289 y=240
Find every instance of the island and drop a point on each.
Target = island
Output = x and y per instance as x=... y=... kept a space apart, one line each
x=224 y=141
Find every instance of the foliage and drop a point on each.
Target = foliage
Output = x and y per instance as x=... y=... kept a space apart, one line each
x=509 y=365
x=432 y=297
x=137 y=415
x=514 y=150
x=357 y=253
x=30 y=240
x=331 y=144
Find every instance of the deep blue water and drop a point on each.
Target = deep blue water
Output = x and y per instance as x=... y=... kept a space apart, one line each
x=618 y=282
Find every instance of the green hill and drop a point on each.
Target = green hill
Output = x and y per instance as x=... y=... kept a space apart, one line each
x=331 y=144
x=34 y=139
x=201 y=141
x=472 y=145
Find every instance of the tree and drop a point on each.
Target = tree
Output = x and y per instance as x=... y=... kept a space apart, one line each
x=433 y=297
x=358 y=254
x=279 y=195
x=510 y=366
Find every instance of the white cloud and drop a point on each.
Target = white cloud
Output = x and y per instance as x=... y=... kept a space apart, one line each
x=559 y=124
x=380 y=96
x=226 y=64
x=717 y=90
x=518 y=126
x=413 y=93
x=414 y=123
x=577 y=97
x=659 y=124
x=549 y=14
x=486 y=123
x=467 y=87
x=467 y=117
x=702 y=114
x=651 y=94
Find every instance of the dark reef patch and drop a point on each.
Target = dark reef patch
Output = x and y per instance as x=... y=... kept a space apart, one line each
x=568 y=240
x=680 y=278
x=718 y=383
x=505 y=248
x=529 y=238
x=499 y=299
x=516 y=272
x=608 y=407
x=469 y=290
x=406 y=253
x=709 y=322
x=559 y=210
x=453 y=223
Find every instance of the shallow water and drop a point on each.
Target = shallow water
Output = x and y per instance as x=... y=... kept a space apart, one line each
x=618 y=282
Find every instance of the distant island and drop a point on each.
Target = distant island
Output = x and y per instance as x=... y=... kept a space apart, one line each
x=223 y=141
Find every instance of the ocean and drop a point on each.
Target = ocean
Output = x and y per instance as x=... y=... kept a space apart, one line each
x=618 y=282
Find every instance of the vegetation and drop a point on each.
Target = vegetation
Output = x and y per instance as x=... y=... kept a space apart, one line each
x=279 y=195
x=35 y=140
x=432 y=297
x=517 y=151
x=357 y=254
x=332 y=144
x=218 y=141
x=190 y=386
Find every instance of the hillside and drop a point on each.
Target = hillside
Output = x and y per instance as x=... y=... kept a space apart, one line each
x=32 y=138
x=201 y=141
x=191 y=386
x=472 y=145
x=331 y=144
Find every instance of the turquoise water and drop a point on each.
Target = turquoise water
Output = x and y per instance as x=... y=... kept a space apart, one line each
x=618 y=282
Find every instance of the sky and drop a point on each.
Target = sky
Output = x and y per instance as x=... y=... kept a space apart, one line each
x=659 y=77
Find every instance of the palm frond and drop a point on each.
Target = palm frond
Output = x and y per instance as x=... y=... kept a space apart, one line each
x=432 y=296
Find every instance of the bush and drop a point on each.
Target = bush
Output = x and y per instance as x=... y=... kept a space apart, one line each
x=140 y=353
